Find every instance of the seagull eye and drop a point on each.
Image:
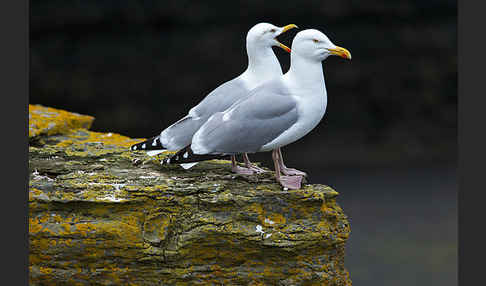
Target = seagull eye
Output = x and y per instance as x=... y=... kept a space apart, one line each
x=273 y=30
x=315 y=40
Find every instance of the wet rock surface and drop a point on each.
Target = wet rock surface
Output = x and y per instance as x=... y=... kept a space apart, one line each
x=100 y=214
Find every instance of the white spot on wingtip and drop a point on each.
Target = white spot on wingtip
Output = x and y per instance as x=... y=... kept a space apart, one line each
x=143 y=146
x=168 y=161
x=134 y=147
x=186 y=155
x=155 y=142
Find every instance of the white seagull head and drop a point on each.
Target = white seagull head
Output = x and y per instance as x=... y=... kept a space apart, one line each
x=313 y=45
x=265 y=35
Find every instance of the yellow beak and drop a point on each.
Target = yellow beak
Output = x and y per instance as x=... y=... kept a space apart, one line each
x=342 y=52
x=284 y=47
x=288 y=27
x=285 y=29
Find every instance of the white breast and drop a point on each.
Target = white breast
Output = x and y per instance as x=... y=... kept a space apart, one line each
x=311 y=107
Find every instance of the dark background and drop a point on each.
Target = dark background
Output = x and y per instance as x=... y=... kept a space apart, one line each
x=388 y=140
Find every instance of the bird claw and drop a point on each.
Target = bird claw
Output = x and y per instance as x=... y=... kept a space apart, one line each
x=256 y=169
x=291 y=182
x=293 y=172
x=242 y=170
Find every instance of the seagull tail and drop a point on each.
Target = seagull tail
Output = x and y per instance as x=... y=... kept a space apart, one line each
x=186 y=155
x=149 y=144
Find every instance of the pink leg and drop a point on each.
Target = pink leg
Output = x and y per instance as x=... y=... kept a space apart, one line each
x=290 y=182
x=288 y=171
x=251 y=166
x=239 y=170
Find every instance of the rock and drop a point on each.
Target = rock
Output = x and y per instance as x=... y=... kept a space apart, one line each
x=50 y=121
x=95 y=218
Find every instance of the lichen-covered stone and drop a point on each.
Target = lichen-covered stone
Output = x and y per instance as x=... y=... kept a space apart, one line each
x=49 y=121
x=102 y=215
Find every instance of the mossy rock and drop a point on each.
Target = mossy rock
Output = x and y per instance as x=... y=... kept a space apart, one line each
x=100 y=214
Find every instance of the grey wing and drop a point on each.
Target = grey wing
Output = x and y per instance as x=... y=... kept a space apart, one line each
x=179 y=134
x=250 y=124
x=221 y=98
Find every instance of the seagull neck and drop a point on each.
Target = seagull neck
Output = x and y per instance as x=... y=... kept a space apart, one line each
x=305 y=72
x=262 y=64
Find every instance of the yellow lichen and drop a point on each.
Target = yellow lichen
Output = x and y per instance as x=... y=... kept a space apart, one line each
x=34 y=226
x=109 y=139
x=65 y=143
x=53 y=242
x=218 y=161
x=56 y=218
x=267 y=218
x=34 y=259
x=323 y=225
x=45 y=270
x=33 y=193
x=66 y=227
x=257 y=208
x=328 y=209
x=84 y=228
x=50 y=121
x=100 y=211
x=272 y=219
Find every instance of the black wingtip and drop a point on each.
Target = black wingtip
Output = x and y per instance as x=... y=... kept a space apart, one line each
x=186 y=155
x=149 y=144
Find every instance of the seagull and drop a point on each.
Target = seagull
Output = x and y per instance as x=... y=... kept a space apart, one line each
x=275 y=114
x=263 y=65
